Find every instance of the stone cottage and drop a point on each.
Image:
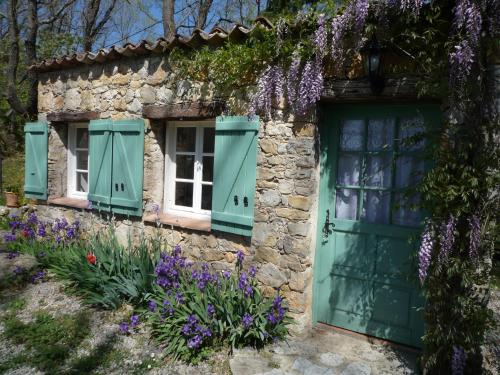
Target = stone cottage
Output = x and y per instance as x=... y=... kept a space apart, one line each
x=317 y=203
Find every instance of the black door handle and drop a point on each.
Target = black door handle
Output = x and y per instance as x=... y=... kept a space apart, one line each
x=327 y=228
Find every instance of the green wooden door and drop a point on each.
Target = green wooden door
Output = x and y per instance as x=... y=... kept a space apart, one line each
x=367 y=226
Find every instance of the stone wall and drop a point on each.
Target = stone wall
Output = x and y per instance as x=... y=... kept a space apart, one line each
x=283 y=241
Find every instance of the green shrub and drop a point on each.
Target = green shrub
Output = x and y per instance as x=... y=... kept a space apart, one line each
x=193 y=310
x=99 y=269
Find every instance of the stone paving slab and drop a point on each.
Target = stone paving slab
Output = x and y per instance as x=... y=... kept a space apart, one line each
x=325 y=352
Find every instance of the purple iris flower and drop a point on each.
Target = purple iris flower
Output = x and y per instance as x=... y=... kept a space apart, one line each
x=12 y=254
x=38 y=276
x=179 y=298
x=252 y=271
x=194 y=342
x=210 y=309
x=226 y=274
x=134 y=320
x=124 y=327
x=240 y=257
x=18 y=270
x=247 y=320
x=9 y=237
x=152 y=306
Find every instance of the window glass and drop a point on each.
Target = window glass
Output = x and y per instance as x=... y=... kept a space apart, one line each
x=78 y=161
x=184 y=194
x=208 y=168
x=346 y=204
x=206 y=197
x=208 y=140
x=348 y=169
x=82 y=136
x=409 y=171
x=185 y=166
x=380 y=134
x=351 y=138
x=82 y=161
x=82 y=182
x=378 y=170
x=186 y=139
x=376 y=206
x=408 y=128
x=406 y=211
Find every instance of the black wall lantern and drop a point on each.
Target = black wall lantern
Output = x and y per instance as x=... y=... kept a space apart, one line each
x=375 y=74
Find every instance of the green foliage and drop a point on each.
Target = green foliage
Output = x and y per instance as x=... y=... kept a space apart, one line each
x=119 y=274
x=48 y=341
x=213 y=313
x=13 y=175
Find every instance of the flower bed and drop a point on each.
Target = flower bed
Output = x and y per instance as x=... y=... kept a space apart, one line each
x=191 y=309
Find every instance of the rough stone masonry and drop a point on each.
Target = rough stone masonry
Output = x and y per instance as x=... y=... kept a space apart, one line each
x=283 y=241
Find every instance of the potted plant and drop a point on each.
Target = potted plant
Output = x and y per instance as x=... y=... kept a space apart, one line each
x=11 y=194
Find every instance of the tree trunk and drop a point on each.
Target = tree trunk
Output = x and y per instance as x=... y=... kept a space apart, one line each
x=203 y=13
x=168 y=12
x=89 y=20
x=11 y=71
x=30 y=49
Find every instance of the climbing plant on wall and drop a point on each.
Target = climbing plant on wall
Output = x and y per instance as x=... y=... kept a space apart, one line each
x=446 y=45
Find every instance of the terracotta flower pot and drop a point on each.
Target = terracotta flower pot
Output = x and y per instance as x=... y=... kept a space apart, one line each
x=11 y=199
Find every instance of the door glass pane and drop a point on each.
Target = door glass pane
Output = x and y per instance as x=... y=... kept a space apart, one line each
x=208 y=168
x=82 y=182
x=376 y=206
x=184 y=166
x=406 y=212
x=409 y=171
x=186 y=139
x=378 y=170
x=410 y=127
x=208 y=140
x=184 y=194
x=351 y=138
x=346 y=204
x=206 y=197
x=82 y=160
x=380 y=134
x=348 y=170
x=82 y=138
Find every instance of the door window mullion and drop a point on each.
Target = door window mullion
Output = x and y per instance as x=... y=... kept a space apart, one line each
x=395 y=149
x=363 y=171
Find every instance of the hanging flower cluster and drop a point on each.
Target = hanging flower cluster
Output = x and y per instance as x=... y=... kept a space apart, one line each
x=458 y=360
x=425 y=252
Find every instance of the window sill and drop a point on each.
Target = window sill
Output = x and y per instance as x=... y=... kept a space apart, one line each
x=181 y=221
x=69 y=202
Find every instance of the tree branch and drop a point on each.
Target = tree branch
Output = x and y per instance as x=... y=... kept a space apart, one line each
x=58 y=14
x=11 y=71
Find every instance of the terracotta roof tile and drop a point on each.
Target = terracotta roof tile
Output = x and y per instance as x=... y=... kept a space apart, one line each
x=215 y=38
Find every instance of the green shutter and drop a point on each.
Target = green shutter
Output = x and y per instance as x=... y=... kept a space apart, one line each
x=234 y=174
x=36 y=154
x=100 y=159
x=128 y=167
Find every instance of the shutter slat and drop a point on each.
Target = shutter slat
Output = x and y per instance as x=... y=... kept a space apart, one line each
x=36 y=155
x=100 y=159
x=128 y=167
x=234 y=174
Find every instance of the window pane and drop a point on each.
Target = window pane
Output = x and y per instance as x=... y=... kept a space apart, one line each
x=208 y=168
x=82 y=160
x=408 y=128
x=378 y=171
x=206 y=197
x=346 y=204
x=348 y=171
x=406 y=212
x=376 y=206
x=380 y=134
x=409 y=171
x=186 y=139
x=184 y=166
x=208 y=140
x=351 y=138
x=82 y=138
x=82 y=182
x=184 y=194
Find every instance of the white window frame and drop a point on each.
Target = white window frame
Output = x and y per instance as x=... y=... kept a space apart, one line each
x=170 y=169
x=72 y=170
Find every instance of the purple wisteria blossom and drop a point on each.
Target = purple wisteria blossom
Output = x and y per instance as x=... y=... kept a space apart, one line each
x=320 y=36
x=425 y=252
x=458 y=360
x=461 y=60
x=412 y=6
x=293 y=79
x=310 y=86
x=448 y=237
x=269 y=88
x=247 y=321
x=475 y=236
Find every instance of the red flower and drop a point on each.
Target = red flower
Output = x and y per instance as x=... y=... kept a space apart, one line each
x=91 y=258
x=25 y=233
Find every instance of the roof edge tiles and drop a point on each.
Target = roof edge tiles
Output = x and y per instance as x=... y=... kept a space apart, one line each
x=215 y=38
